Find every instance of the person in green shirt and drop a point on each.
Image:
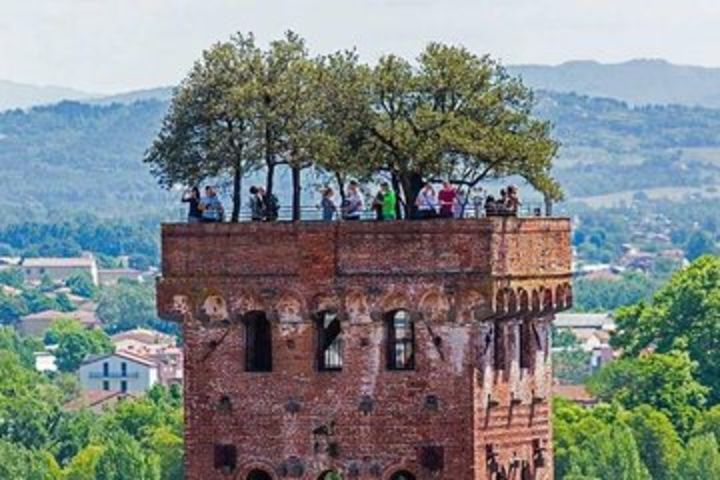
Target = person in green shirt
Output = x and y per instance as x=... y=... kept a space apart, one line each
x=389 y=202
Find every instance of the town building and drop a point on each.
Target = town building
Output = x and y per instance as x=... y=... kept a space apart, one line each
x=157 y=346
x=119 y=371
x=593 y=331
x=377 y=350
x=36 y=324
x=59 y=269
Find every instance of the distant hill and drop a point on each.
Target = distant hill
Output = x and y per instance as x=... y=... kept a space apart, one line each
x=638 y=82
x=159 y=93
x=75 y=157
x=21 y=95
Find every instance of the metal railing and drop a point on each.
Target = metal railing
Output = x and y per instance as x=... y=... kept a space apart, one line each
x=314 y=213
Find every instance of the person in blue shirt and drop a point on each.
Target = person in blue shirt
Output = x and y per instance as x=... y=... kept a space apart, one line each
x=212 y=209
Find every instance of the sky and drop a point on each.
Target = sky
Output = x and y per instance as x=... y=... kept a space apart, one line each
x=110 y=46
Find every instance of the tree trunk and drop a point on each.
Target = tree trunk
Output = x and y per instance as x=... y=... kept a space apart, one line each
x=341 y=185
x=237 y=186
x=412 y=183
x=296 y=194
x=269 y=162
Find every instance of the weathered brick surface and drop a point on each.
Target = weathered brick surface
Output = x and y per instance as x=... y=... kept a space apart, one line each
x=464 y=282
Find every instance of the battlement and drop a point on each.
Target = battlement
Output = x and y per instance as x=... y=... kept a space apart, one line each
x=383 y=350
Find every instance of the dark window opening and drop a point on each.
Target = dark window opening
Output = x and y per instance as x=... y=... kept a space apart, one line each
x=123 y=386
x=401 y=341
x=330 y=344
x=527 y=352
x=499 y=346
x=432 y=458
x=226 y=458
x=123 y=369
x=106 y=385
x=402 y=475
x=258 y=343
x=259 y=475
x=106 y=369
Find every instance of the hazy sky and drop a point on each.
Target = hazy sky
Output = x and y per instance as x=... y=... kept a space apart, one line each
x=115 y=45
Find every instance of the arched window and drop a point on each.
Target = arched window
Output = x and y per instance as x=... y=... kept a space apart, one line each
x=401 y=341
x=258 y=475
x=330 y=342
x=402 y=475
x=258 y=343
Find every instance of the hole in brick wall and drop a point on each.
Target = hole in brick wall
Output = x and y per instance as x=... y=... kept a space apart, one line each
x=437 y=341
x=364 y=342
x=290 y=344
x=375 y=470
x=292 y=406
x=432 y=457
x=225 y=404
x=354 y=470
x=366 y=405
x=432 y=402
x=334 y=449
x=292 y=467
x=402 y=475
x=258 y=474
x=225 y=458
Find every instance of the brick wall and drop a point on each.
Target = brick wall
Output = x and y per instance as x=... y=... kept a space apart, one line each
x=471 y=287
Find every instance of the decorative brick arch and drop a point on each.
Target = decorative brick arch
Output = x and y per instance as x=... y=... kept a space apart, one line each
x=395 y=300
x=323 y=302
x=356 y=306
x=290 y=307
x=434 y=304
x=501 y=302
x=535 y=301
x=213 y=308
x=403 y=467
x=512 y=301
x=547 y=300
x=248 y=301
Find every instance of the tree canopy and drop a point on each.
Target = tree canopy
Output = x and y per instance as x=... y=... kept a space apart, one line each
x=451 y=114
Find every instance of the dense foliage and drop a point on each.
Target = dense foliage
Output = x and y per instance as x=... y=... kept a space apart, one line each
x=140 y=439
x=451 y=114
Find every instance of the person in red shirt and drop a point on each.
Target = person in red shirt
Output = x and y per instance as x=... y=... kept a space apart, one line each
x=447 y=197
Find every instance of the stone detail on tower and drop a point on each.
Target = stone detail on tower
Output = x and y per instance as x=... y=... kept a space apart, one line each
x=386 y=351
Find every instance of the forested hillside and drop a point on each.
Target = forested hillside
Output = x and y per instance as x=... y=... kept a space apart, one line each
x=81 y=158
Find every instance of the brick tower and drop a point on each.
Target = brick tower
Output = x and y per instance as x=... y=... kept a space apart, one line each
x=387 y=351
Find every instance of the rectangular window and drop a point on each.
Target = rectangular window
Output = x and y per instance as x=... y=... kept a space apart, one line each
x=329 y=342
x=225 y=457
x=123 y=369
x=106 y=369
x=123 y=386
x=401 y=341
x=106 y=385
x=526 y=345
x=258 y=343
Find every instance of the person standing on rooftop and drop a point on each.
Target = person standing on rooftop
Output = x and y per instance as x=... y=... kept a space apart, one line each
x=389 y=203
x=328 y=205
x=354 y=204
x=192 y=198
x=448 y=198
x=212 y=209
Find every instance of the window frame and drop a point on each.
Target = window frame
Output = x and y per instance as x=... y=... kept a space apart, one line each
x=393 y=362
x=336 y=348
x=256 y=362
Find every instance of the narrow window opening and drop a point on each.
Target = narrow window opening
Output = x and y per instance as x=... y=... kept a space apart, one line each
x=106 y=369
x=226 y=458
x=401 y=341
x=330 y=343
x=499 y=346
x=106 y=385
x=123 y=369
x=258 y=343
x=123 y=386
x=526 y=345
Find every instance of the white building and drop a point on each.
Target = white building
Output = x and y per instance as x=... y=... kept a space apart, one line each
x=59 y=269
x=120 y=371
x=45 y=362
